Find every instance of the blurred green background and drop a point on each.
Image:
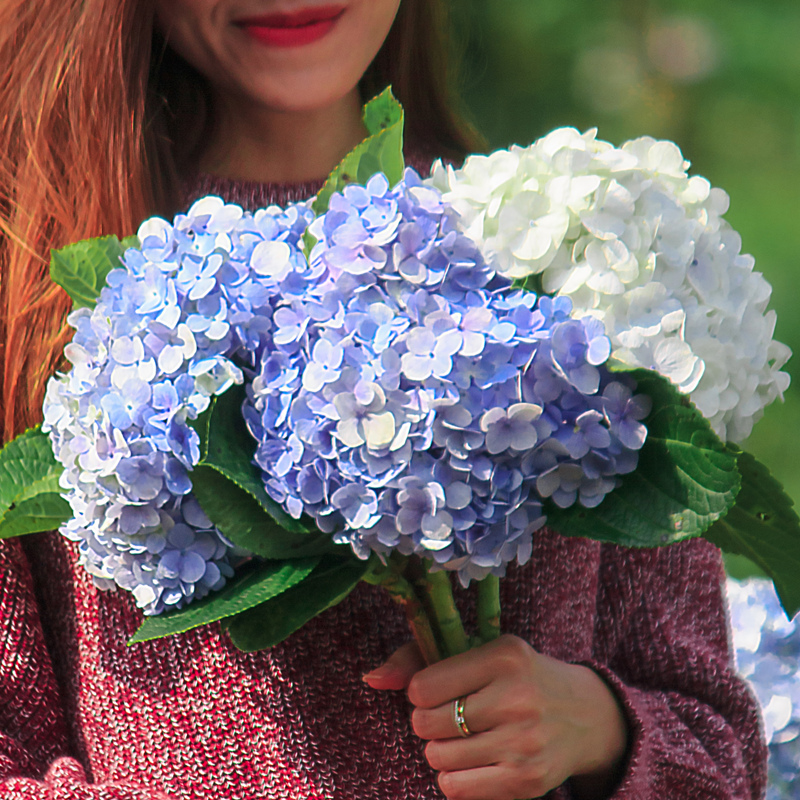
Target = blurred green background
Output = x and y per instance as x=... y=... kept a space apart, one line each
x=719 y=77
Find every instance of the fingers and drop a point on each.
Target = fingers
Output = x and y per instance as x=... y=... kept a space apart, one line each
x=439 y=723
x=480 y=750
x=454 y=677
x=518 y=705
x=498 y=782
x=470 y=672
x=398 y=670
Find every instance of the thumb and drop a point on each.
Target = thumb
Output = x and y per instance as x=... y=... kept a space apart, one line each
x=398 y=670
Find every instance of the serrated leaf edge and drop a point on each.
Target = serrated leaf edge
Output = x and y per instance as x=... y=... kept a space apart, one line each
x=24 y=492
x=31 y=491
x=247 y=491
x=135 y=640
x=719 y=447
x=333 y=602
x=334 y=176
x=364 y=144
x=38 y=522
x=88 y=294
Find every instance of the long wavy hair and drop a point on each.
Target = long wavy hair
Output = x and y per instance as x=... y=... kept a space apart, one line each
x=91 y=101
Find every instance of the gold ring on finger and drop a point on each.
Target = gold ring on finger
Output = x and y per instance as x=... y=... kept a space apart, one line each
x=458 y=716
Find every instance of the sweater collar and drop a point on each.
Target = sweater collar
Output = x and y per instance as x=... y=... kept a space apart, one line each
x=251 y=195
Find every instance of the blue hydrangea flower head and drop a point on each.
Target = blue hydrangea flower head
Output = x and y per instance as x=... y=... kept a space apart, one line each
x=176 y=324
x=409 y=398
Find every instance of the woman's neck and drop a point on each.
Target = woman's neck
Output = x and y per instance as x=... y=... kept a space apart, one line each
x=259 y=144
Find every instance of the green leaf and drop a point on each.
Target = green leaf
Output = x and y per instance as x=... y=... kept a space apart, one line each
x=229 y=488
x=44 y=512
x=251 y=587
x=530 y=283
x=271 y=622
x=764 y=527
x=27 y=463
x=740 y=567
x=201 y=425
x=309 y=240
x=245 y=522
x=381 y=151
x=81 y=268
x=228 y=448
x=30 y=498
x=382 y=112
x=686 y=479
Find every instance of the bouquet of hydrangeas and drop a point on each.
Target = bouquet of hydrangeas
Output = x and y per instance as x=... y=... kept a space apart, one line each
x=402 y=378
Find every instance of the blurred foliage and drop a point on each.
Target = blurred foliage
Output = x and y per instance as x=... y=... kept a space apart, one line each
x=719 y=77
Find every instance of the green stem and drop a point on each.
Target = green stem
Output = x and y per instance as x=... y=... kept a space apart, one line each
x=440 y=594
x=489 y=608
x=401 y=591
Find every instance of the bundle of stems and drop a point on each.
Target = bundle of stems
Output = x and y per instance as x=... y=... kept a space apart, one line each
x=427 y=599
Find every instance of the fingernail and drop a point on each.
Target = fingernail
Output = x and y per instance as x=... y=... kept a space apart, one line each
x=381 y=673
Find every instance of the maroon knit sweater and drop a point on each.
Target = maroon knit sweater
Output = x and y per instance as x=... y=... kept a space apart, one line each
x=85 y=717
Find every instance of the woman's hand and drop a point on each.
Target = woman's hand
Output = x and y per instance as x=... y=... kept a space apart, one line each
x=535 y=721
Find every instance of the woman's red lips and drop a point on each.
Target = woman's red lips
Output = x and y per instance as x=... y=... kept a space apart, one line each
x=294 y=29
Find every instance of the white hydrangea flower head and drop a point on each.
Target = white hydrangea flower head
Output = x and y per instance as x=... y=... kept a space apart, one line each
x=636 y=242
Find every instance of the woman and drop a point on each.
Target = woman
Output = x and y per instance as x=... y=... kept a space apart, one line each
x=607 y=684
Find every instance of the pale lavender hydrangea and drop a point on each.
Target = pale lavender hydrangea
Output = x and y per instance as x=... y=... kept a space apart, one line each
x=408 y=398
x=174 y=327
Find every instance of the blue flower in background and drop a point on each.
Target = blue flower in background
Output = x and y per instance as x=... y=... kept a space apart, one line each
x=767 y=647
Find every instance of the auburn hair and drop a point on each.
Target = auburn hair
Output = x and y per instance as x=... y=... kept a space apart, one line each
x=91 y=101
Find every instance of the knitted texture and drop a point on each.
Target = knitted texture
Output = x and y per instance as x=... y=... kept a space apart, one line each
x=85 y=717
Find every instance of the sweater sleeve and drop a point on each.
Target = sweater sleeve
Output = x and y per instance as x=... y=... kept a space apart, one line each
x=662 y=645
x=34 y=751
